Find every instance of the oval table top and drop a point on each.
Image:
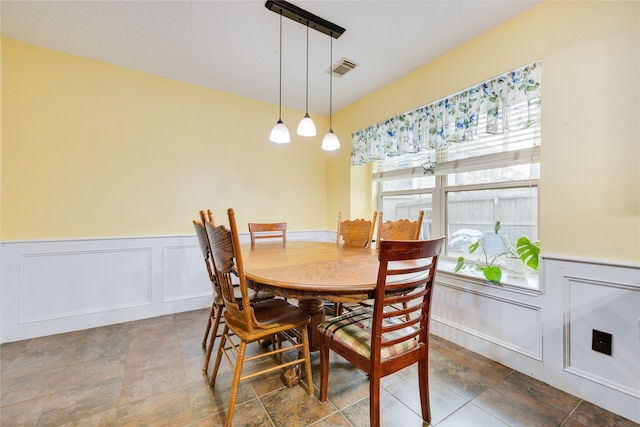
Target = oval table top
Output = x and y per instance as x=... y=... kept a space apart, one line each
x=314 y=269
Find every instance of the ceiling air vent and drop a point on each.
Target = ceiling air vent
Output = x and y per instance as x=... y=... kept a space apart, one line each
x=342 y=67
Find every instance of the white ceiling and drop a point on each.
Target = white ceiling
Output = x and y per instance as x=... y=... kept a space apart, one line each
x=233 y=45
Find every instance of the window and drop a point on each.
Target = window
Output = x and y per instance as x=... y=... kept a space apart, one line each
x=464 y=198
x=466 y=186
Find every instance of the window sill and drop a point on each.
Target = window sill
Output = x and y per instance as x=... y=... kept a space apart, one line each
x=528 y=284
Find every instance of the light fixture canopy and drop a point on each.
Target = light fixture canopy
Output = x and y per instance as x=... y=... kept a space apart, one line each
x=300 y=15
x=280 y=133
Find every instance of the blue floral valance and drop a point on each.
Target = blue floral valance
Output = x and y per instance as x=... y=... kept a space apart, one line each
x=507 y=102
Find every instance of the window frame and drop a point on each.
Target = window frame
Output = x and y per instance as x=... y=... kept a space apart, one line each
x=522 y=156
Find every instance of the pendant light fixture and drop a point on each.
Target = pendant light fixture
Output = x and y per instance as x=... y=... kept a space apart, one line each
x=306 y=127
x=330 y=141
x=280 y=133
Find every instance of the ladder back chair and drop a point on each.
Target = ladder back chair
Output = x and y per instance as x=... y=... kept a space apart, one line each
x=252 y=321
x=271 y=230
x=268 y=230
x=380 y=340
x=402 y=229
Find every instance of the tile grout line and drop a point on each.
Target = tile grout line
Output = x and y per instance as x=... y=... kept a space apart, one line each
x=572 y=412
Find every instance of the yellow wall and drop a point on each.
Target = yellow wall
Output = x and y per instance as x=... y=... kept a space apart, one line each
x=98 y=150
x=590 y=52
x=90 y=149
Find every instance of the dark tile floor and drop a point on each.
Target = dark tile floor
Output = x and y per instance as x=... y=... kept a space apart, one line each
x=148 y=373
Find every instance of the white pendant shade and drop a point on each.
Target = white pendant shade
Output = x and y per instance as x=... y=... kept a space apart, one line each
x=306 y=127
x=280 y=133
x=330 y=141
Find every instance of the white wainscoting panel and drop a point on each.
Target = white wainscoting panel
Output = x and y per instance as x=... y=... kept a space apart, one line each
x=503 y=321
x=582 y=295
x=182 y=264
x=548 y=334
x=54 y=286
x=607 y=307
x=65 y=283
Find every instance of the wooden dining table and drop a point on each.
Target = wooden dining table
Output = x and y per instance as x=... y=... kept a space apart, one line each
x=312 y=272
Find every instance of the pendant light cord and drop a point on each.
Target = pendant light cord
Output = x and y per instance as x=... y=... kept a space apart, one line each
x=307 y=92
x=280 y=91
x=331 y=82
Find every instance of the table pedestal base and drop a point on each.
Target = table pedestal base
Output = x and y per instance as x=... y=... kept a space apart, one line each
x=314 y=307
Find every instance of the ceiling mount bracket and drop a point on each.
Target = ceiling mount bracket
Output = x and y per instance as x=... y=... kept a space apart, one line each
x=297 y=14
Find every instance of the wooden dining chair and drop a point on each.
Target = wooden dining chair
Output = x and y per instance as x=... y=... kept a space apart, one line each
x=250 y=321
x=402 y=229
x=215 y=314
x=201 y=236
x=380 y=340
x=217 y=307
x=268 y=230
x=271 y=230
x=358 y=232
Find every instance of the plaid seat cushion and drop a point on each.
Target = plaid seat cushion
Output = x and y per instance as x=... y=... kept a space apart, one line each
x=353 y=330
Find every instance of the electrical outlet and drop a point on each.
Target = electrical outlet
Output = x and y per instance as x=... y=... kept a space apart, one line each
x=601 y=342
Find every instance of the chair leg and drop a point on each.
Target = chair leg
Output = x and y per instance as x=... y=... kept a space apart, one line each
x=206 y=331
x=217 y=316
x=307 y=359
x=337 y=309
x=405 y=306
x=277 y=344
x=236 y=382
x=374 y=399
x=223 y=342
x=324 y=369
x=423 y=378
